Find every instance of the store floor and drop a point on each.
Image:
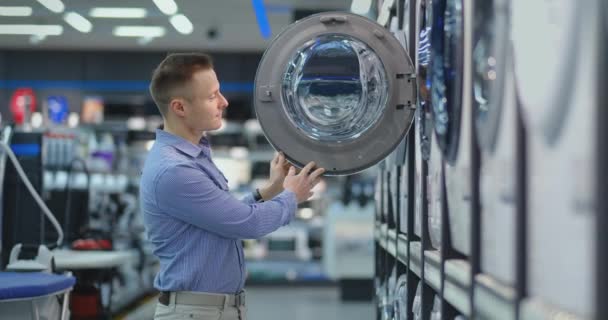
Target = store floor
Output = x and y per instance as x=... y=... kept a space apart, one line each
x=270 y=303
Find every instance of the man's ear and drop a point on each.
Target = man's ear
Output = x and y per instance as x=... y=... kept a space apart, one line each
x=177 y=106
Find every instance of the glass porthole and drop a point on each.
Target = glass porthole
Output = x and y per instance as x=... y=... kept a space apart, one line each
x=334 y=88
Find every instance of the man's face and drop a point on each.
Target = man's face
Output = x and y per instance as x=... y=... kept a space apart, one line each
x=203 y=110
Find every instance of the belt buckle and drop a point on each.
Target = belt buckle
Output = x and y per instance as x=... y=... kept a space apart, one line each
x=239 y=299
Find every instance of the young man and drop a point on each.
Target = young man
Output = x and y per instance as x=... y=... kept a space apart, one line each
x=194 y=223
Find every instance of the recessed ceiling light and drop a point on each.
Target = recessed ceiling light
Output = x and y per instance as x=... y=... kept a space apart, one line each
x=15 y=11
x=168 y=7
x=134 y=13
x=31 y=29
x=139 y=31
x=78 y=22
x=54 y=5
x=181 y=23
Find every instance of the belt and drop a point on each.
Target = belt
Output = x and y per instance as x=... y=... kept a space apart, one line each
x=203 y=299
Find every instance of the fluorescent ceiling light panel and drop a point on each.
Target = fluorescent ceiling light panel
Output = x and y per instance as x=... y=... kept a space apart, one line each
x=78 y=22
x=168 y=7
x=31 y=29
x=181 y=23
x=134 y=13
x=16 y=11
x=139 y=31
x=54 y=5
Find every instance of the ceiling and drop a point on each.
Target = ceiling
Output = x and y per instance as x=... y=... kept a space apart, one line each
x=221 y=25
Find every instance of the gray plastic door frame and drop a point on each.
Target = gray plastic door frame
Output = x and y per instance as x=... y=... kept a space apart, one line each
x=338 y=155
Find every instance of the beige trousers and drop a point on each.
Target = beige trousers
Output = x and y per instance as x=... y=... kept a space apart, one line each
x=175 y=311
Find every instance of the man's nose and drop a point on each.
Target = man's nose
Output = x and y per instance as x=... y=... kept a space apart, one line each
x=224 y=102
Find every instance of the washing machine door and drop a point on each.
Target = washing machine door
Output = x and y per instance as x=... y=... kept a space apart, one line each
x=491 y=39
x=543 y=34
x=335 y=88
x=447 y=51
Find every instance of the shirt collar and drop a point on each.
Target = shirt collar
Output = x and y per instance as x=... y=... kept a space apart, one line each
x=182 y=144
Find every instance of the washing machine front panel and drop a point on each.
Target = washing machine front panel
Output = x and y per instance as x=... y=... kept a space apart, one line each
x=499 y=188
x=447 y=47
x=419 y=176
x=496 y=123
x=435 y=195
x=561 y=199
x=545 y=59
x=406 y=22
x=490 y=38
x=458 y=170
x=400 y=310
x=405 y=192
x=335 y=88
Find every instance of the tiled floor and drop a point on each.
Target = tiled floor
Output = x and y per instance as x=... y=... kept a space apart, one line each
x=297 y=303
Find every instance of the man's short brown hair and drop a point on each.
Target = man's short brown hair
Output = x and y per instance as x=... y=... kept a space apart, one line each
x=173 y=74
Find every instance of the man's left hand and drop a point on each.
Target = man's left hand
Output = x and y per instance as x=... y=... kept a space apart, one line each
x=278 y=171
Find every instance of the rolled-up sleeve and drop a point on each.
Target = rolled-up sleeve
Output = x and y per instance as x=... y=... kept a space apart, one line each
x=190 y=195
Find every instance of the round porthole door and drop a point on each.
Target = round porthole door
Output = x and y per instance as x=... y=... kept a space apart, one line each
x=335 y=88
x=491 y=39
x=447 y=52
x=545 y=46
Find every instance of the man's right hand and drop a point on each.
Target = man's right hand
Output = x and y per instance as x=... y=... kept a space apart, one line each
x=302 y=183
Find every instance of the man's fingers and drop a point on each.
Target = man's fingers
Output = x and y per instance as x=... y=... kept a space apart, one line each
x=281 y=158
x=317 y=173
x=307 y=168
x=292 y=171
x=275 y=159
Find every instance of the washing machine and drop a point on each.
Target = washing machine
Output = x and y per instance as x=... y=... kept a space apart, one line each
x=417 y=308
x=423 y=125
x=396 y=159
x=452 y=116
x=556 y=60
x=436 y=311
x=498 y=126
x=400 y=310
x=406 y=187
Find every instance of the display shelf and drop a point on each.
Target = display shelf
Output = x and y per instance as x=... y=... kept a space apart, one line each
x=457 y=285
x=493 y=299
x=432 y=269
x=391 y=246
x=402 y=248
x=384 y=230
x=536 y=309
x=380 y=233
x=416 y=258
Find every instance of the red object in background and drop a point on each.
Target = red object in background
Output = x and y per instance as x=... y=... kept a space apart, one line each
x=85 y=303
x=22 y=102
x=92 y=244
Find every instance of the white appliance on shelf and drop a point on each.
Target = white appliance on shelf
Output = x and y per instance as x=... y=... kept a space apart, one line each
x=348 y=241
x=498 y=124
x=422 y=124
x=452 y=115
x=400 y=297
x=435 y=196
x=288 y=242
x=407 y=172
x=556 y=58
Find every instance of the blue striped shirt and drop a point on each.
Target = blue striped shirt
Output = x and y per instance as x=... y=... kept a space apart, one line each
x=195 y=224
